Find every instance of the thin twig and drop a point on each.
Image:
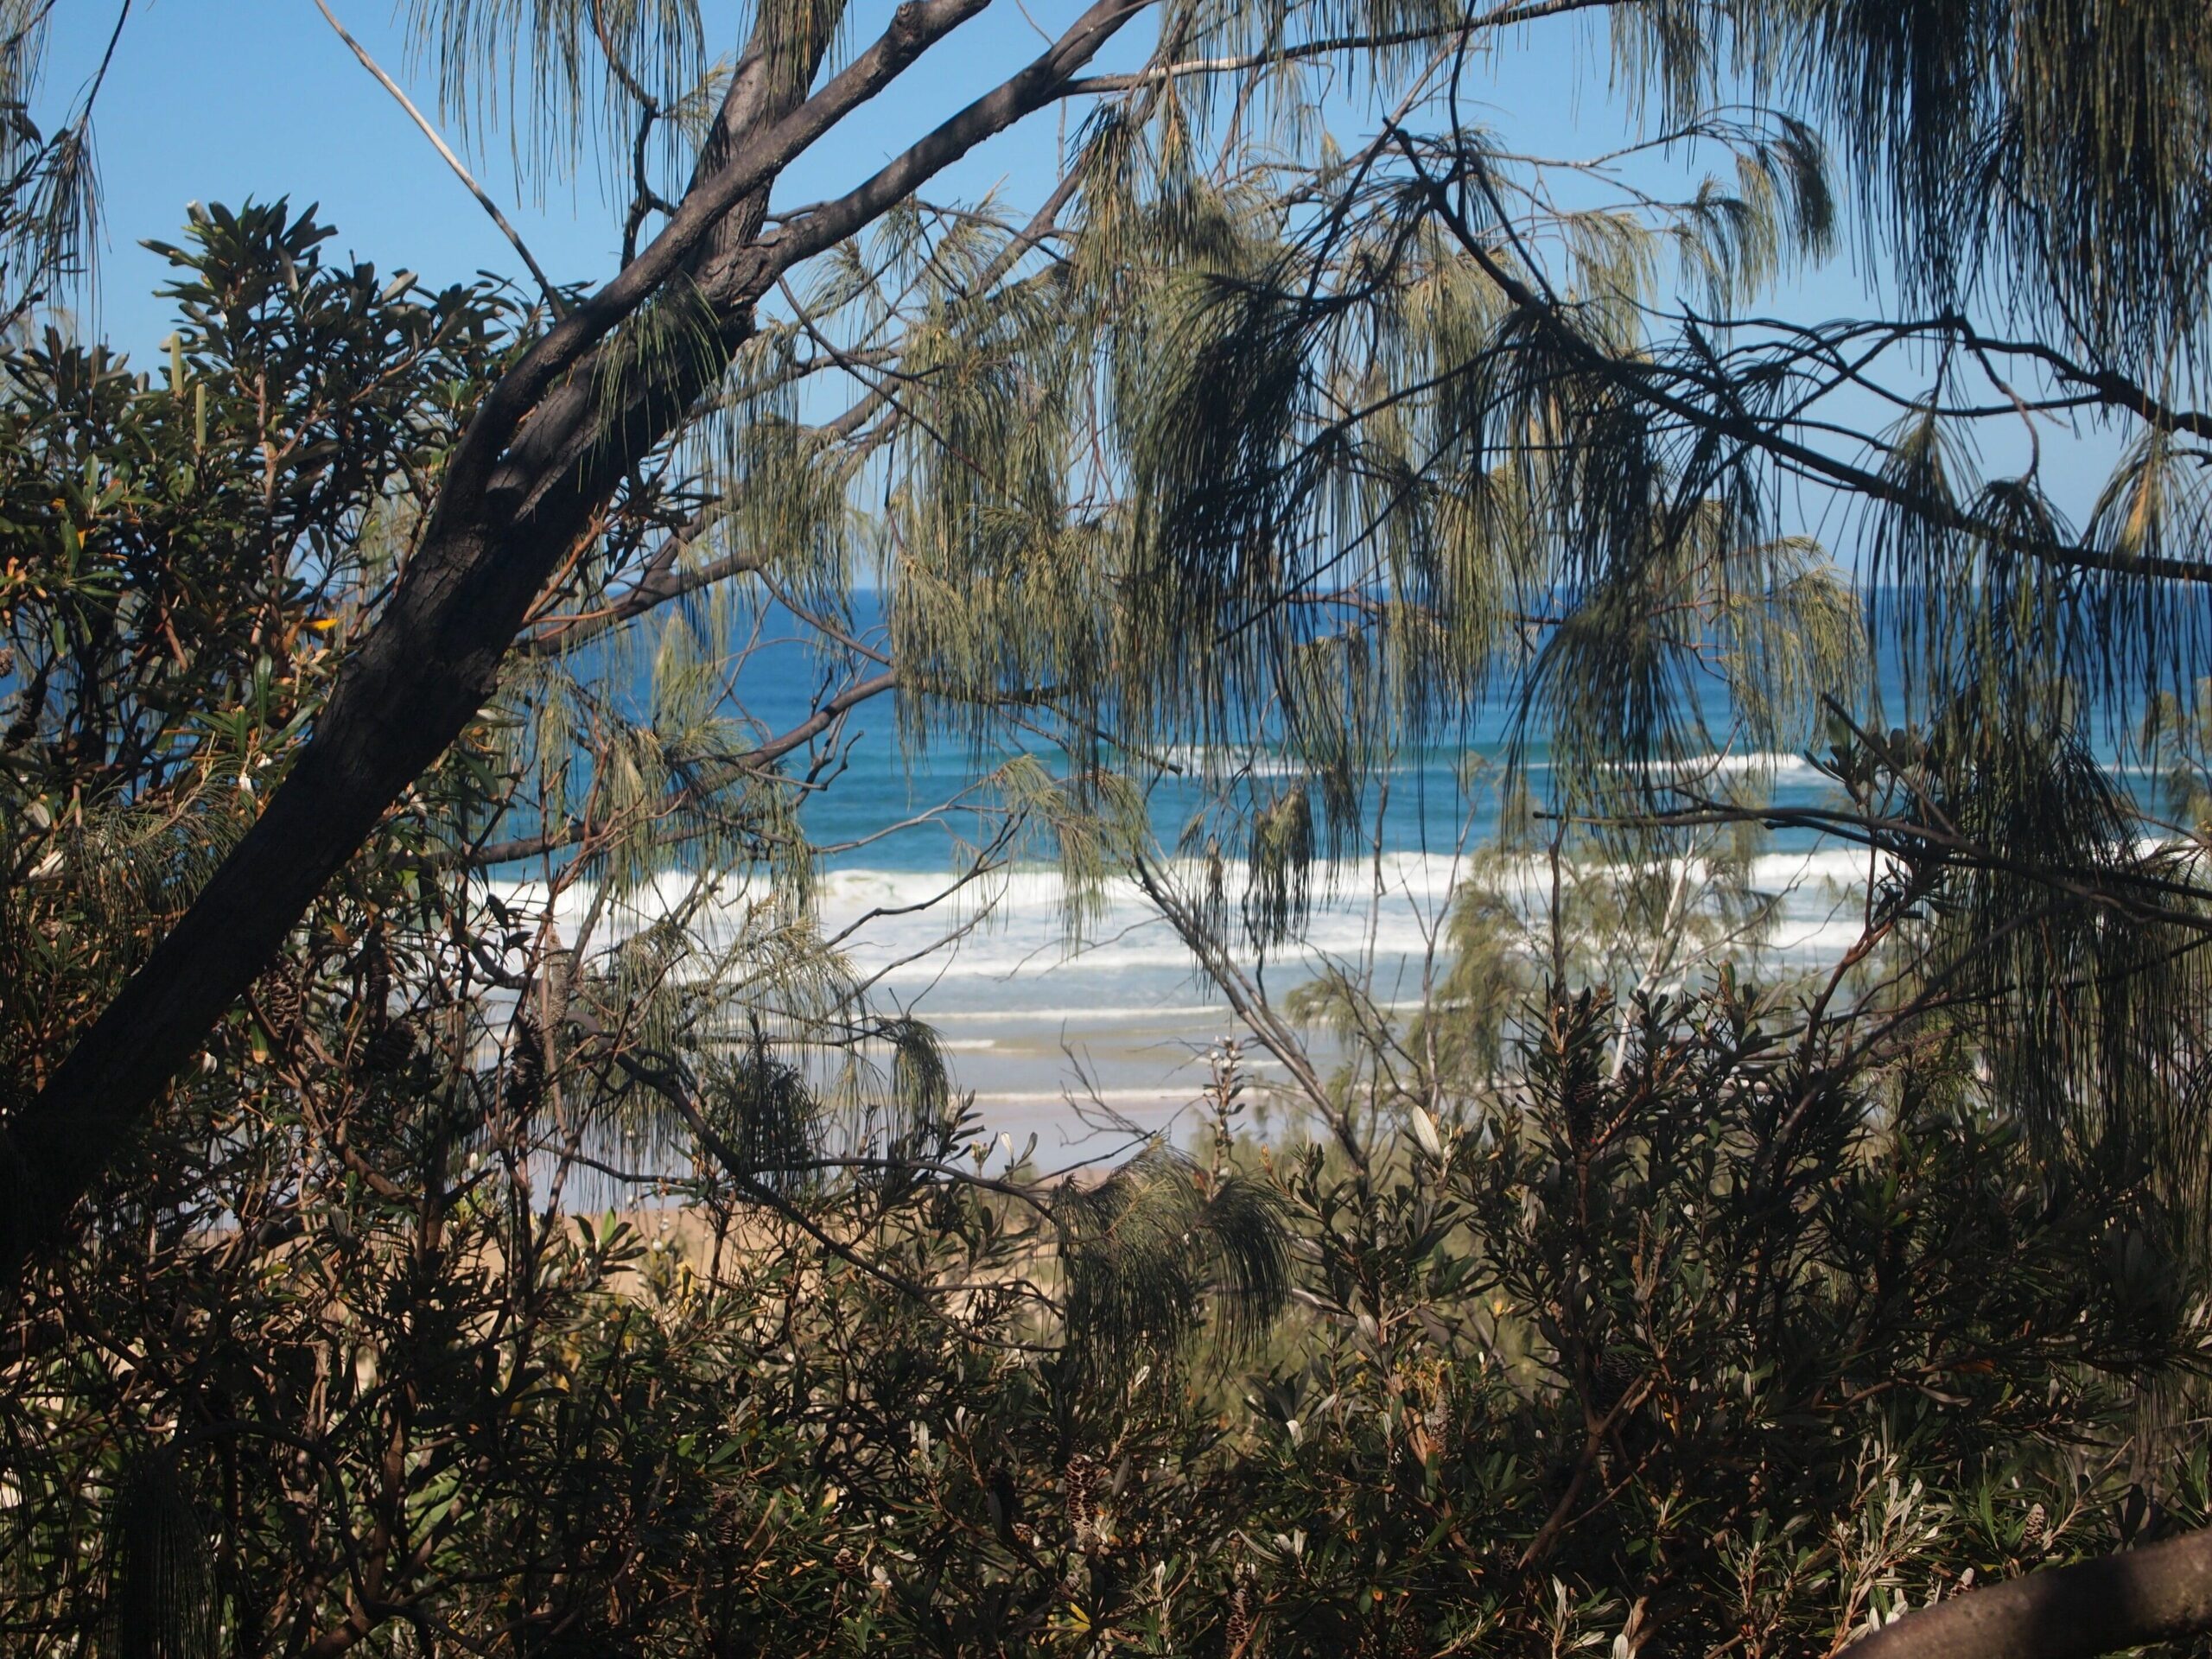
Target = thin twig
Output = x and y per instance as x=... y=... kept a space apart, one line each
x=514 y=237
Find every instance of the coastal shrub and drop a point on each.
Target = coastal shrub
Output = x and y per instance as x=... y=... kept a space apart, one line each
x=1724 y=1346
x=552 y=1241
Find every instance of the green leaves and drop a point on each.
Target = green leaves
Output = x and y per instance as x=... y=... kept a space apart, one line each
x=1157 y=1247
x=555 y=73
x=160 y=1592
x=2038 y=155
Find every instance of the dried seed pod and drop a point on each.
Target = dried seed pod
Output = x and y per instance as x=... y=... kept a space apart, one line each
x=1616 y=1373
x=523 y=1088
x=559 y=989
x=282 y=1005
x=390 y=1049
x=1081 y=1477
x=376 y=981
x=1237 y=1630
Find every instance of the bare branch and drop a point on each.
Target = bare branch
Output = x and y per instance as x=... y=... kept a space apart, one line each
x=514 y=236
x=2157 y=1593
x=504 y=519
x=1302 y=51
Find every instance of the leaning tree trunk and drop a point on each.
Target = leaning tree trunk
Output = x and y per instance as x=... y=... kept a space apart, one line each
x=551 y=442
x=2157 y=1593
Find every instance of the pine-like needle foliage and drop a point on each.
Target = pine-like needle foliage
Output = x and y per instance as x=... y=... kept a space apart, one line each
x=2045 y=156
x=1158 y=1246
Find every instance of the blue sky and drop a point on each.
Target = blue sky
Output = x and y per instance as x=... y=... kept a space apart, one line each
x=223 y=99
x=217 y=100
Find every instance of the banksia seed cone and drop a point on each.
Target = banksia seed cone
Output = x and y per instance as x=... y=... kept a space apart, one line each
x=1082 y=1479
x=1617 y=1372
x=391 y=1048
x=376 y=981
x=525 y=1080
x=283 y=1007
x=1237 y=1632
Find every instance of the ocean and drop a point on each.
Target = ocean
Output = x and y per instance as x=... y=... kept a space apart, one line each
x=1054 y=1034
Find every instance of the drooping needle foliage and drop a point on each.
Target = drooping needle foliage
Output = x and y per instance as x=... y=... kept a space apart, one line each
x=464 y=1193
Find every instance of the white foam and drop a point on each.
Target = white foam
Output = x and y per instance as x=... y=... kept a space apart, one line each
x=1073 y=1015
x=1776 y=764
x=1208 y=761
x=999 y=953
x=1828 y=867
x=1808 y=946
x=1163 y=1096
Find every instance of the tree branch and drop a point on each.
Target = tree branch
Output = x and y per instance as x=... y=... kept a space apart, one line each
x=755 y=759
x=2156 y=1593
x=514 y=236
x=1646 y=379
x=504 y=520
x=659 y=584
x=832 y=221
x=1300 y=51
x=915 y=26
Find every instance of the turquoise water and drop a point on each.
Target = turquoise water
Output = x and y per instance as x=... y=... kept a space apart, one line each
x=1055 y=1031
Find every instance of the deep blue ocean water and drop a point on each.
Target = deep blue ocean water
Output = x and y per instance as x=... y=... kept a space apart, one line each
x=1050 y=1029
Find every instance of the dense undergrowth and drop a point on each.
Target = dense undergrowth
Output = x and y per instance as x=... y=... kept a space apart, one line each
x=1588 y=1311
x=1722 y=1352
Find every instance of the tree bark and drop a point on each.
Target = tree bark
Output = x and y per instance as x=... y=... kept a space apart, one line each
x=2157 y=1593
x=546 y=449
